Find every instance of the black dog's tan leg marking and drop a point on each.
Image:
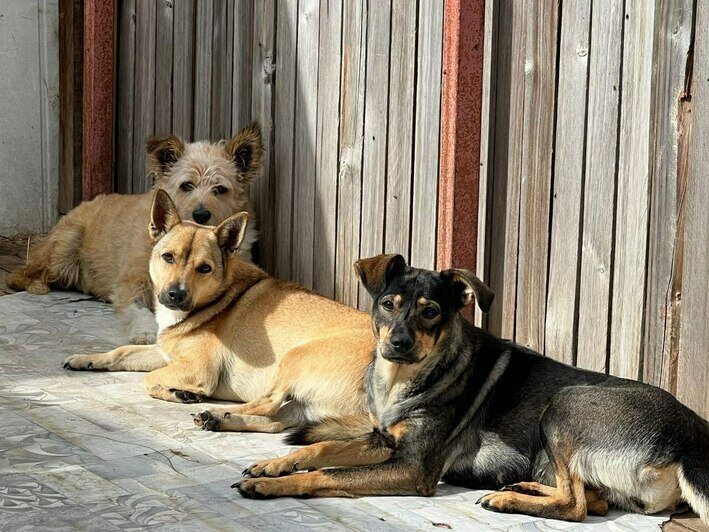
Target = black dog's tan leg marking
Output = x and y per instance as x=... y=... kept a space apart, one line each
x=567 y=501
x=388 y=478
x=349 y=453
x=595 y=505
x=185 y=380
x=125 y=358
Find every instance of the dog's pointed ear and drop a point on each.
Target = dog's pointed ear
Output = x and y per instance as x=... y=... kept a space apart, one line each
x=162 y=154
x=163 y=215
x=230 y=233
x=375 y=273
x=246 y=150
x=467 y=287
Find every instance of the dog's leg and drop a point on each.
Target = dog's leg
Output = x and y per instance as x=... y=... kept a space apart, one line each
x=595 y=505
x=349 y=453
x=267 y=406
x=125 y=358
x=187 y=380
x=132 y=301
x=566 y=501
x=227 y=422
x=393 y=477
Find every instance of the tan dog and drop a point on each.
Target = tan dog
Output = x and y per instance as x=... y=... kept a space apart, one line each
x=229 y=331
x=101 y=247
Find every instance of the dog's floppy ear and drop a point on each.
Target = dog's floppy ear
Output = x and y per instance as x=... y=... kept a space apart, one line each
x=162 y=153
x=467 y=287
x=163 y=215
x=246 y=150
x=375 y=273
x=230 y=233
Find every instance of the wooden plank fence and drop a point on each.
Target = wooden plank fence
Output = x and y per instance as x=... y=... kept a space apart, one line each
x=596 y=230
x=347 y=93
x=592 y=218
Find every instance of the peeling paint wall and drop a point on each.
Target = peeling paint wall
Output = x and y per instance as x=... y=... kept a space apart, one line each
x=29 y=115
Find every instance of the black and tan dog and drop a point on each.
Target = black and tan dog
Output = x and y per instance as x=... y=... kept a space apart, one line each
x=230 y=331
x=450 y=401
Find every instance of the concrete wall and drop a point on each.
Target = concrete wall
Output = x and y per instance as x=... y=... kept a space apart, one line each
x=29 y=115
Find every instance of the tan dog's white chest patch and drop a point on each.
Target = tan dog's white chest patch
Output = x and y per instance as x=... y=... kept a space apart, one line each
x=167 y=317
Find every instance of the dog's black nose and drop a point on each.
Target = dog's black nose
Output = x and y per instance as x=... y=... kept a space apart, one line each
x=201 y=216
x=401 y=342
x=177 y=296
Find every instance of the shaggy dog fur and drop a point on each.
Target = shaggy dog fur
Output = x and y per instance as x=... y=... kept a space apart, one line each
x=102 y=246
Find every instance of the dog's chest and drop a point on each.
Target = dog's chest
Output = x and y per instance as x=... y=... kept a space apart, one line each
x=166 y=317
x=390 y=385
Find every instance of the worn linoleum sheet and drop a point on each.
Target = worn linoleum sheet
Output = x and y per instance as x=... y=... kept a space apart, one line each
x=91 y=451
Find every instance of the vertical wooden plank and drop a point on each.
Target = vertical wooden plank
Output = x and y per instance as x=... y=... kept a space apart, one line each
x=125 y=95
x=567 y=202
x=537 y=148
x=304 y=200
x=487 y=147
x=693 y=366
x=183 y=68
x=163 y=67
x=375 y=135
x=243 y=19
x=632 y=197
x=673 y=30
x=352 y=93
x=426 y=134
x=97 y=120
x=144 y=106
x=71 y=50
x=599 y=187
x=400 y=136
x=326 y=148
x=222 y=47
x=204 y=31
x=507 y=161
x=284 y=102
x=262 y=190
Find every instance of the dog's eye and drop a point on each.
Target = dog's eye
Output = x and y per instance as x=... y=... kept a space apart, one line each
x=220 y=189
x=187 y=186
x=204 y=268
x=429 y=313
x=168 y=257
x=388 y=305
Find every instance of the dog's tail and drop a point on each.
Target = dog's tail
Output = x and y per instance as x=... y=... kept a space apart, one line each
x=53 y=260
x=694 y=473
x=329 y=429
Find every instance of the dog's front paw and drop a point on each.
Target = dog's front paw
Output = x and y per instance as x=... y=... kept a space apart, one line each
x=497 y=501
x=78 y=362
x=274 y=467
x=207 y=421
x=143 y=338
x=256 y=488
x=184 y=396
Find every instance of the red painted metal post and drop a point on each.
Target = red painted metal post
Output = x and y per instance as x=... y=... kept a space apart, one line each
x=97 y=153
x=463 y=36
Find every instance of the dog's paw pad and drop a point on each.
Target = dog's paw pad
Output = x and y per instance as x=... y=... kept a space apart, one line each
x=206 y=421
x=186 y=397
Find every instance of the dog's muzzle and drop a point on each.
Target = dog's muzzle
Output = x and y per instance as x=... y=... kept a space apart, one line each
x=175 y=298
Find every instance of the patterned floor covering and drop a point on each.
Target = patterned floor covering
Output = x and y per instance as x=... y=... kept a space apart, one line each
x=90 y=451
